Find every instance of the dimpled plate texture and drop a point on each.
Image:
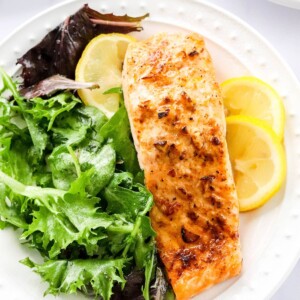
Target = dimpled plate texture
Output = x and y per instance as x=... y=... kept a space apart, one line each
x=269 y=235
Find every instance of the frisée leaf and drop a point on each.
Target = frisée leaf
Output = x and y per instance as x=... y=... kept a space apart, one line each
x=69 y=276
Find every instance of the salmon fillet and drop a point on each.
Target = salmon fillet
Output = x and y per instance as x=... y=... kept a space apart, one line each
x=178 y=125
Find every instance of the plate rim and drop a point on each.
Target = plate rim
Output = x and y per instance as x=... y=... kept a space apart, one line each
x=237 y=20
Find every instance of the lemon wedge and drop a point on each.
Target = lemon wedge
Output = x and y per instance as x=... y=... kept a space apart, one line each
x=101 y=62
x=257 y=159
x=251 y=96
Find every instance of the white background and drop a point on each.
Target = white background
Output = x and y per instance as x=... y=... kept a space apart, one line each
x=278 y=24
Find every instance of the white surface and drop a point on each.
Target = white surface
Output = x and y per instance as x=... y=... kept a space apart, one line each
x=288 y=3
x=252 y=59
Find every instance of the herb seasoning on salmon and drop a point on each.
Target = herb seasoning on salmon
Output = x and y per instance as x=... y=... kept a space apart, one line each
x=178 y=125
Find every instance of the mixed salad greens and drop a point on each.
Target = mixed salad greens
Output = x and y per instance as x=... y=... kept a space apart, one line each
x=70 y=181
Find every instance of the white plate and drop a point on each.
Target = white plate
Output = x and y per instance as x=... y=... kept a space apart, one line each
x=269 y=235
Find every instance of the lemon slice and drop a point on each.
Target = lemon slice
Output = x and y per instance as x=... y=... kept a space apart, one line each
x=101 y=62
x=251 y=96
x=257 y=159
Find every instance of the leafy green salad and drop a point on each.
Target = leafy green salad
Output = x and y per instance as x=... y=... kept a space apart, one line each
x=70 y=180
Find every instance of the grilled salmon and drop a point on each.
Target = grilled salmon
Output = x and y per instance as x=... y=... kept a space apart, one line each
x=178 y=125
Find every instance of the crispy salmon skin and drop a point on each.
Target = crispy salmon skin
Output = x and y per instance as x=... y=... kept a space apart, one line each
x=178 y=125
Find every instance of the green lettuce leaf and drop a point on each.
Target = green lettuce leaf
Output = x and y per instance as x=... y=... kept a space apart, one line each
x=82 y=124
x=101 y=159
x=50 y=108
x=63 y=217
x=123 y=195
x=118 y=129
x=69 y=276
x=11 y=208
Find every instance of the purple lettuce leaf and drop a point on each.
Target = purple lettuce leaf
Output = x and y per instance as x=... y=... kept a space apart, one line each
x=53 y=84
x=60 y=49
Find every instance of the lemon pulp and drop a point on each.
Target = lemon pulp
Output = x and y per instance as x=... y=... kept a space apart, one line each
x=257 y=159
x=253 y=97
x=101 y=62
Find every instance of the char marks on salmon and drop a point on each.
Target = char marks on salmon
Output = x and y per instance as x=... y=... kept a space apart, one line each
x=177 y=120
